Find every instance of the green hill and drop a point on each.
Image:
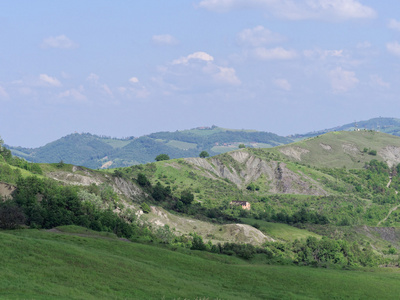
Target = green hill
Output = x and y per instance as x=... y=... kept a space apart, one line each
x=69 y=263
x=350 y=149
x=386 y=125
x=102 y=152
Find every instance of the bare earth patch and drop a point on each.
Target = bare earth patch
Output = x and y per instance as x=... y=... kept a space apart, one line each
x=350 y=149
x=391 y=154
x=294 y=152
x=325 y=146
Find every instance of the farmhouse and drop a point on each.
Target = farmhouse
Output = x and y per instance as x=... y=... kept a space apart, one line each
x=243 y=204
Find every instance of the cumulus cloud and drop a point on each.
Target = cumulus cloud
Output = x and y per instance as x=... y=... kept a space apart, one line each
x=195 y=73
x=75 y=94
x=61 y=42
x=164 y=40
x=258 y=36
x=93 y=78
x=342 y=80
x=323 y=54
x=297 y=9
x=133 y=80
x=393 y=24
x=378 y=81
x=104 y=88
x=278 y=53
x=49 y=81
x=3 y=93
x=282 y=84
x=195 y=56
x=224 y=75
x=394 y=48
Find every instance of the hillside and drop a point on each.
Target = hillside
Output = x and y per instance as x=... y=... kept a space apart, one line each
x=95 y=152
x=71 y=263
x=328 y=201
x=350 y=149
x=386 y=125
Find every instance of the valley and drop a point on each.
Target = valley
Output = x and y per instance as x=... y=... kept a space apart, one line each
x=329 y=202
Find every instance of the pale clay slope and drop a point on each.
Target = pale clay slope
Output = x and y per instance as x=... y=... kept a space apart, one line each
x=277 y=176
x=237 y=233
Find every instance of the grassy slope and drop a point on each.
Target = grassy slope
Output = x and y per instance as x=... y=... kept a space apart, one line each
x=337 y=157
x=46 y=265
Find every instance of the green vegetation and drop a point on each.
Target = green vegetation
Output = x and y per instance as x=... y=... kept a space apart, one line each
x=204 y=154
x=162 y=157
x=63 y=265
x=95 y=151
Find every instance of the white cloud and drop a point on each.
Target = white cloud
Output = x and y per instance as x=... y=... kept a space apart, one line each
x=196 y=56
x=342 y=80
x=133 y=80
x=393 y=24
x=282 y=84
x=93 y=77
x=74 y=94
x=393 y=48
x=61 y=42
x=164 y=40
x=297 y=9
x=323 y=54
x=3 y=93
x=104 y=88
x=278 y=53
x=49 y=81
x=226 y=75
x=364 y=45
x=258 y=36
x=378 y=81
x=137 y=92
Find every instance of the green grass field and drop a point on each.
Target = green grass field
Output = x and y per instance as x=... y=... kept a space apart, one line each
x=280 y=231
x=52 y=265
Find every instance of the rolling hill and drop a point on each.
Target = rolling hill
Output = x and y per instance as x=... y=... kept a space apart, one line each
x=386 y=125
x=94 y=151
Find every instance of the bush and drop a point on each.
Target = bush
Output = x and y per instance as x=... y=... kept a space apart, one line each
x=161 y=157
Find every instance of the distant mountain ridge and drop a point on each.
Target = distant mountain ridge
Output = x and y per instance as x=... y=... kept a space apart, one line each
x=386 y=125
x=95 y=151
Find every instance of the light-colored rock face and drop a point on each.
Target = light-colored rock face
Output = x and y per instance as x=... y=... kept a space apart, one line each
x=350 y=149
x=390 y=154
x=294 y=152
x=74 y=179
x=278 y=177
x=236 y=233
x=120 y=186
x=6 y=190
x=325 y=147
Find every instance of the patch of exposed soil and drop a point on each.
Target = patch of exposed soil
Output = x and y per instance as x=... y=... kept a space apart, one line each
x=391 y=154
x=325 y=146
x=6 y=190
x=294 y=152
x=237 y=233
x=350 y=149
x=277 y=176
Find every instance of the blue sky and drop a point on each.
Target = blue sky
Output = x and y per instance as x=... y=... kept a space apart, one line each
x=129 y=68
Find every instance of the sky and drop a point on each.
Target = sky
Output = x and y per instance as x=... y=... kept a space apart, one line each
x=130 y=68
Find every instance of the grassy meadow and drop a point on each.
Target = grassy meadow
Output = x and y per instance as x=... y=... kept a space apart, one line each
x=75 y=263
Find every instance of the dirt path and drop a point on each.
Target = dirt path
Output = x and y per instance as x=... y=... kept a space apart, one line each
x=393 y=208
x=390 y=212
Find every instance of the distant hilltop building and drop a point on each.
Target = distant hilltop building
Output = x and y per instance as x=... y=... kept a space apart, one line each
x=243 y=204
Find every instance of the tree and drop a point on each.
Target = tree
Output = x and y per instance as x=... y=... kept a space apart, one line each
x=187 y=197
x=161 y=157
x=204 y=154
x=241 y=146
x=142 y=180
